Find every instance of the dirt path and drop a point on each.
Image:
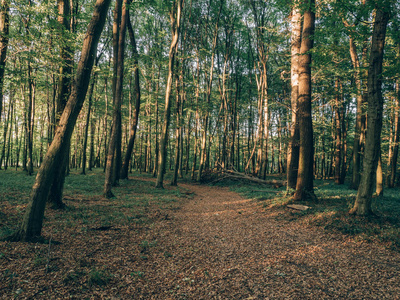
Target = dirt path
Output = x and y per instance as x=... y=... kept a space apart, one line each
x=221 y=246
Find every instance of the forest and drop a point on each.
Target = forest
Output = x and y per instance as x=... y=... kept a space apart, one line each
x=210 y=138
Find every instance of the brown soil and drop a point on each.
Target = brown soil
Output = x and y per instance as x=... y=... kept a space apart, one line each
x=218 y=245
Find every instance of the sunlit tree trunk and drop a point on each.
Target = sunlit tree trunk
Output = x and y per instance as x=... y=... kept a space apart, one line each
x=362 y=205
x=304 y=186
x=31 y=227
x=293 y=147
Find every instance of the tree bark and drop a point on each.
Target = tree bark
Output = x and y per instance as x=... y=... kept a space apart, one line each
x=86 y=130
x=175 y=16
x=63 y=92
x=362 y=205
x=304 y=185
x=293 y=147
x=115 y=138
x=31 y=227
x=396 y=137
x=135 y=117
x=4 y=31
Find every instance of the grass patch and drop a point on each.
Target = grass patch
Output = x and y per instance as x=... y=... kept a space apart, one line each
x=99 y=277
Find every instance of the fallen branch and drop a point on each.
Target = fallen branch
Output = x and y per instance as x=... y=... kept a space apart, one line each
x=229 y=174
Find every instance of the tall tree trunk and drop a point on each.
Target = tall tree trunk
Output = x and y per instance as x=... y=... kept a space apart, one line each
x=362 y=205
x=4 y=30
x=135 y=117
x=31 y=227
x=115 y=138
x=175 y=16
x=87 y=125
x=304 y=186
x=203 y=147
x=338 y=132
x=178 y=147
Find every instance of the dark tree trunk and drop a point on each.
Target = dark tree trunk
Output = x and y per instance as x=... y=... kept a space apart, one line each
x=135 y=117
x=4 y=30
x=396 y=137
x=85 y=137
x=115 y=138
x=362 y=205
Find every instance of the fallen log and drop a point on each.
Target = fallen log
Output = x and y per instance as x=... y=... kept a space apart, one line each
x=298 y=207
x=237 y=175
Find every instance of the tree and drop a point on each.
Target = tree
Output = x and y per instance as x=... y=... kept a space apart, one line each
x=293 y=147
x=63 y=92
x=136 y=110
x=112 y=160
x=31 y=225
x=362 y=205
x=4 y=30
x=175 y=17
x=304 y=185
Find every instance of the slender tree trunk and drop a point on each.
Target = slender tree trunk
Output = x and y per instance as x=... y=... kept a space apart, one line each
x=86 y=130
x=115 y=138
x=177 y=156
x=135 y=117
x=396 y=137
x=175 y=16
x=31 y=227
x=203 y=155
x=338 y=132
x=362 y=205
x=4 y=30
x=304 y=186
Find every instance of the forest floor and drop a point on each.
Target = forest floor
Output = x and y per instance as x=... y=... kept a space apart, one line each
x=194 y=242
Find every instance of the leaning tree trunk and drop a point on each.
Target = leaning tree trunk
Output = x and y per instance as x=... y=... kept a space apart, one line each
x=31 y=227
x=115 y=138
x=175 y=16
x=4 y=29
x=304 y=186
x=362 y=205
x=135 y=117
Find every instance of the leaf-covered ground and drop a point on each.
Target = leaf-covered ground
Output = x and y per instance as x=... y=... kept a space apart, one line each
x=186 y=242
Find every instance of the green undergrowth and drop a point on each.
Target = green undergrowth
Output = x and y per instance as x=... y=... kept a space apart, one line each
x=135 y=202
x=331 y=210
